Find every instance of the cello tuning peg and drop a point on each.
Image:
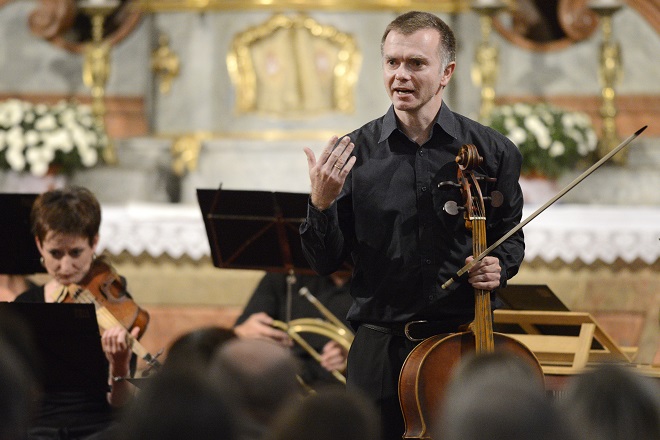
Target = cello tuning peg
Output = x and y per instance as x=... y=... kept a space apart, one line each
x=452 y=208
x=496 y=198
x=449 y=183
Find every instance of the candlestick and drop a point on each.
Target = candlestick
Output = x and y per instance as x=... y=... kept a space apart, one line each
x=486 y=64
x=610 y=74
x=96 y=65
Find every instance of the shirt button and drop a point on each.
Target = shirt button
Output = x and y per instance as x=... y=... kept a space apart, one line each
x=427 y=261
x=421 y=152
x=424 y=189
x=430 y=297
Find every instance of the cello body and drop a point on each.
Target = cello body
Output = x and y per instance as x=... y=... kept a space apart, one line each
x=427 y=371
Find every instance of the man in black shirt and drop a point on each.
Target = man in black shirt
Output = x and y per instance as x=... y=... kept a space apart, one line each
x=375 y=197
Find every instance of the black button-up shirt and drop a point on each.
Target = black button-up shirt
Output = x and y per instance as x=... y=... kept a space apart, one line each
x=389 y=218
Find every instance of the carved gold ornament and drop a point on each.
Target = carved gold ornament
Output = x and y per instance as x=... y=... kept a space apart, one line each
x=291 y=66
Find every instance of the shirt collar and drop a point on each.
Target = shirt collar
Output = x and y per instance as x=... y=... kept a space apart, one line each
x=445 y=120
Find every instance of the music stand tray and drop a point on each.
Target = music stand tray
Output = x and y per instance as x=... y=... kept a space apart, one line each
x=68 y=344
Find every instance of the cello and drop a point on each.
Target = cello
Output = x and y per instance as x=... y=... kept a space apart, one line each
x=428 y=368
x=104 y=288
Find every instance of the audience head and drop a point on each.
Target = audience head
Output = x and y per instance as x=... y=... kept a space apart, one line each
x=613 y=402
x=258 y=376
x=177 y=405
x=331 y=414
x=497 y=396
x=195 y=348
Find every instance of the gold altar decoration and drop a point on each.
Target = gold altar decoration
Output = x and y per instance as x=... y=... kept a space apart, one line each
x=486 y=63
x=185 y=152
x=165 y=64
x=96 y=65
x=273 y=72
x=610 y=73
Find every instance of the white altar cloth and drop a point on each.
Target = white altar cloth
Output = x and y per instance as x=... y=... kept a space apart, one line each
x=570 y=233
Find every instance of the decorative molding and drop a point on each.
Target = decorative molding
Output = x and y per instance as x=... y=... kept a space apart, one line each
x=448 y=6
x=125 y=115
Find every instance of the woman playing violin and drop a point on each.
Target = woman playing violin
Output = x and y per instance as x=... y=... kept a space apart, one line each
x=65 y=224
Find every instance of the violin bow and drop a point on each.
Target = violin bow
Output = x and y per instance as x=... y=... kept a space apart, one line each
x=545 y=206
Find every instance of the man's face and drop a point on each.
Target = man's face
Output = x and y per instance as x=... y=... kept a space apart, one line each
x=412 y=71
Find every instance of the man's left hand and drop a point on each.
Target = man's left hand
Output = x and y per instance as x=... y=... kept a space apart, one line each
x=485 y=275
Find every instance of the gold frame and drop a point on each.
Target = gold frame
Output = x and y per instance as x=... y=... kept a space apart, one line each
x=447 y=6
x=242 y=71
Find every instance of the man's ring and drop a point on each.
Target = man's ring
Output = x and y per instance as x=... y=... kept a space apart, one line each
x=338 y=167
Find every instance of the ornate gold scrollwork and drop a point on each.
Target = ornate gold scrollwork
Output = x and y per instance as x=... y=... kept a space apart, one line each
x=293 y=66
x=185 y=153
x=165 y=64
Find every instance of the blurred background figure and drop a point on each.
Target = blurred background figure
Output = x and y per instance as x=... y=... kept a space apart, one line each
x=177 y=405
x=331 y=414
x=613 y=402
x=258 y=377
x=20 y=378
x=269 y=302
x=12 y=285
x=497 y=396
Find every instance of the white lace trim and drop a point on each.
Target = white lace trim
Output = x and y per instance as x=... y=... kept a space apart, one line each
x=587 y=233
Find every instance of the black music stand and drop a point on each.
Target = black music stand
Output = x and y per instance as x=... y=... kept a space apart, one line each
x=68 y=344
x=19 y=254
x=255 y=229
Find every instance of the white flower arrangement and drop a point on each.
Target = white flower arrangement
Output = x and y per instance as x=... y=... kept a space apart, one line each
x=39 y=138
x=551 y=140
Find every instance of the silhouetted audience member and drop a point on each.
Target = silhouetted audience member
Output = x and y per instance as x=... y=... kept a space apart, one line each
x=194 y=349
x=16 y=394
x=20 y=376
x=331 y=414
x=177 y=405
x=613 y=402
x=498 y=396
x=258 y=377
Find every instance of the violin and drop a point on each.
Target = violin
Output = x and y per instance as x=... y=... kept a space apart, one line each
x=104 y=288
x=427 y=369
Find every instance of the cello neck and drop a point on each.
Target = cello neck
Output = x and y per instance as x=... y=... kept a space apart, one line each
x=483 y=320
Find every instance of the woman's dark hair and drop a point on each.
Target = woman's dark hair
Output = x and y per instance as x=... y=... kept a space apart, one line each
x=72 y=211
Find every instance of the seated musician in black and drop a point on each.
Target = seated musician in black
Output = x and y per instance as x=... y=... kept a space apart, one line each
x=65 y=224
x=269 y=302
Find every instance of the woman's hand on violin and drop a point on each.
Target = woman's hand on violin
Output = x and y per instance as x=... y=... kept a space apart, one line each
x=328 y=173
x=333 y=356
x=260 y=326
x=485 y=275
x=117 y=348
